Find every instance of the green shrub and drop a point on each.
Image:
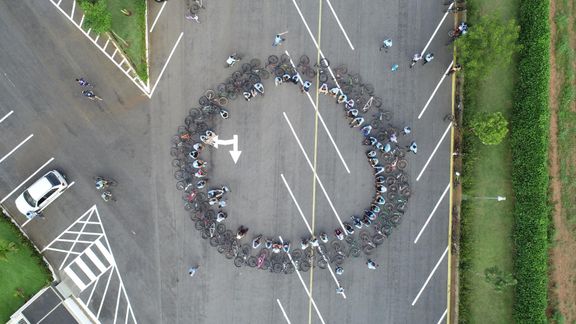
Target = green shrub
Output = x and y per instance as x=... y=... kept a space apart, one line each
x=529 y=139
x=491 y=128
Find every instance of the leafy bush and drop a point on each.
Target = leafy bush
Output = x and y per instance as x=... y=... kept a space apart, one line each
x=529 y=139
x=488 y=43
x=491 y=128
x=97 y=16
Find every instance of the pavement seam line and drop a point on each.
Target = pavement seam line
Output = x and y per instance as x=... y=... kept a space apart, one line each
x=311 y=285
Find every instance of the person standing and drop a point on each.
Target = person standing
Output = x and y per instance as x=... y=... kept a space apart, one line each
x=454 y=68
x=386 y=44
x=192 y=271
x=429 y=57
x=371 y=264
x=278 y=40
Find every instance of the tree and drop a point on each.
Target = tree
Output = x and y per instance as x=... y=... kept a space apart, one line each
x=498 y=278
x=7 y=247
x=491 y=128
x=488 y=43
x=97 y=16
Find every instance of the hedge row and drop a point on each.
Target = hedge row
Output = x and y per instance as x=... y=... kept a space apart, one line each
x=529 y=139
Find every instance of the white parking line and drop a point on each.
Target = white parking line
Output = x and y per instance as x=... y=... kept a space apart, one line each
x=435 y=89
x=432 y=213
x=6 y=116
x=28 y=220
x=434 y=152
x=166 y=64
x=437 y=27
x=283 y=312
x=443 y=315
x=314 y=40
x=297 y=205
x=429 y=276
x=315 y=174
x=321 y=119
x=17 y=146
x=340 y=25
x=30 y=177
x=158 y=16
x=304 y=285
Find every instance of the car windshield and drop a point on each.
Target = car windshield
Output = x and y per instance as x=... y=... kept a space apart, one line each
x=29 y=199
x=53 y=179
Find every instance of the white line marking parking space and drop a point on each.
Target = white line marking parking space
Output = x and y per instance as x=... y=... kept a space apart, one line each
x=17 y=146
x=443 y=316
x=429 y=277
x=432 y=213
x=435 y=89
x=304 y=285
x=6 y=116
x=158 y=16
x=437 y=27
x=283 y=311
x=339 y=24
x=166 y=64
x=27 y=179
x=297 y=205
x=315 y=174
x=434 y=152
x=321 y=119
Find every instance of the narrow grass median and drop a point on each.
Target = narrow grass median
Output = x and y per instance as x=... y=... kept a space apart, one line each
x=22 y=271
x=486 y=243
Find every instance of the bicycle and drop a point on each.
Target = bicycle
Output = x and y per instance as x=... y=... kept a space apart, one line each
x=107 y=196
x=304 y=67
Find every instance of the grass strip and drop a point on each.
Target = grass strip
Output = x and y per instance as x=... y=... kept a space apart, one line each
x=22 y=274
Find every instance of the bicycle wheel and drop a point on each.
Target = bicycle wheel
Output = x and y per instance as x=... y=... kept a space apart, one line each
x=236 y=75
x=222 y=101
x=341 y=69
x=377 y=102
x=402 y=164
x=204 y=101
x=221 y=229
x=239 y=261
x=272 y=59
x=322 y=264
x=214 y=241
x=252 y=261
x=179 y=174
x=254 y=63
x=324 y=63
x=279 y=72
x=246 y=67
x=289 y=268
x=355 y=78
x=309 y=72
x=177 y=163
x=378 y=239
x=304 y=266
x=323 y=78
x=391 y=189
x=285 y=59
x=304 y=60
x=277 y=267
x=232 y=95
x=337 y=246
x=210 y=94
x=406 y=192
x=368 y=249
x=355 y=251
x=263 y=74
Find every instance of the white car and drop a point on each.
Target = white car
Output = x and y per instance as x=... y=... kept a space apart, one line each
x=41 y=193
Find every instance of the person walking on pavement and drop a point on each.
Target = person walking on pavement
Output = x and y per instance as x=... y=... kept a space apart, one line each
x=192 y=271
x=371 y=264
x=305 y=87
x=340 y=290
x=429 y=57
x=279 y=39
x=386 y=44
x=83 y=83
x=412 y=147
x=407 y=130
x=339 y=270
x=417 y=57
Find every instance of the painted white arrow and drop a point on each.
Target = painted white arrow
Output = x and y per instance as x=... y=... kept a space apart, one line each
x=234 y=141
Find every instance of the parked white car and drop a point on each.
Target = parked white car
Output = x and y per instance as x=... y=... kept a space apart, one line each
x=41 y=193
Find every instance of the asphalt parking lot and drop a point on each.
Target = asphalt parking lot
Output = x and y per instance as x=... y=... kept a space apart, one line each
x=127 y=137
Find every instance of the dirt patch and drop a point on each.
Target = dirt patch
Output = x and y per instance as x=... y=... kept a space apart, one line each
x=562 y=258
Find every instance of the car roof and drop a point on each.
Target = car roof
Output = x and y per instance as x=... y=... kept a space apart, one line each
x=39 y=188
